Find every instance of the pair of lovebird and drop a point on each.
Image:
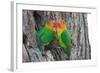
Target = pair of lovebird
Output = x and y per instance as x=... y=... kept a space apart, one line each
x=47 y=33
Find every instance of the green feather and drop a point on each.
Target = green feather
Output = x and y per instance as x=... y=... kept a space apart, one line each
x=65 y=42
x=46 y=35
x=66 y=38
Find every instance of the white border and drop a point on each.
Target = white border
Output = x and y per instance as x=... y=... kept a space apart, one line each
x=17 y=37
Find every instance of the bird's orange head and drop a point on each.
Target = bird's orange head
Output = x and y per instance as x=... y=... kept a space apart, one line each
x=61 y=24
x=52 y=25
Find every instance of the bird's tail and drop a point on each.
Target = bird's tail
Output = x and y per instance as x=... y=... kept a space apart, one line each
x=67 y=51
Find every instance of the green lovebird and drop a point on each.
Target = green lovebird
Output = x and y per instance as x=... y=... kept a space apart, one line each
x=64 y=37
x=46 y=34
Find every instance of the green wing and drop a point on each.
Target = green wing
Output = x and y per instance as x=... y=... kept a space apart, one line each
x=45 y=35
x=67 y=40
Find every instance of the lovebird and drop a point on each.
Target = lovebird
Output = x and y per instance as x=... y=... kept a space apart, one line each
x=64 y=37
x=46 y=34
